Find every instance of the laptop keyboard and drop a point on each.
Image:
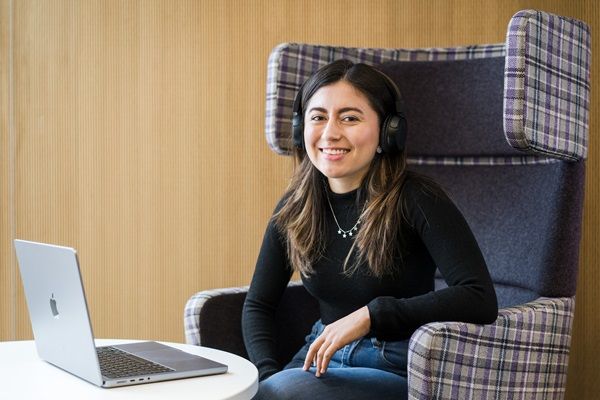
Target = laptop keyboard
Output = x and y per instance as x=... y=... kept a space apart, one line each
x=115 y=363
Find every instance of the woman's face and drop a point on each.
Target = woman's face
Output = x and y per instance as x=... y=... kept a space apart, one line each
x=341 y=134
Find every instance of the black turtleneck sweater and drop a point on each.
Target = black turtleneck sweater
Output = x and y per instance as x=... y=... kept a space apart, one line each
x=436 y=236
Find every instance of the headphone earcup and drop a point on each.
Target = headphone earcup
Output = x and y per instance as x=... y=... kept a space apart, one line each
x=393 y=134
x=298 y=130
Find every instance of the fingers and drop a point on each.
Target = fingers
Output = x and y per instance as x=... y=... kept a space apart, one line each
x=323 y=358
x=311 y=356
x=309 y=360
x=319 y=354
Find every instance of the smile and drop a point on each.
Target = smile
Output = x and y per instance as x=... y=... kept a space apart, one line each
x=334 y=151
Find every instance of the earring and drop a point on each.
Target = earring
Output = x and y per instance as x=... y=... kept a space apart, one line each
x=379 y=150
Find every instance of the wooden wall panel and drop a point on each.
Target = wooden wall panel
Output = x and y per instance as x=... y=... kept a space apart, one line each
x=583 y=379
x=133 y=132
x=8 y=277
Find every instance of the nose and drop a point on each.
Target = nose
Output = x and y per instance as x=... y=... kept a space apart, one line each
x=331 y=131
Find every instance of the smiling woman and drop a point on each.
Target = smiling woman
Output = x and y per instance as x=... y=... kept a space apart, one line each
x=341 y=135
x=366 y=235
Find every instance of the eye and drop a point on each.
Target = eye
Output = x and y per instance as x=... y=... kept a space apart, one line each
x=350 y=118
x=317 y=117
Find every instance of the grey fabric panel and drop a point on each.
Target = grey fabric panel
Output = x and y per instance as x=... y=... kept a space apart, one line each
x=221 y=322
x=453 y=108
x=527 y=220
x=508 y=296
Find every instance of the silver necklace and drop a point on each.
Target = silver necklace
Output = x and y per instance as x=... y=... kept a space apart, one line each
x=344 y=233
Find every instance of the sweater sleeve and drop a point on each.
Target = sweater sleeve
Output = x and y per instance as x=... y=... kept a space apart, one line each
x=470 y=296
x=271 y=276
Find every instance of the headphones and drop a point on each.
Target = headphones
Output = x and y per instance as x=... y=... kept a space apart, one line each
x=392 y=134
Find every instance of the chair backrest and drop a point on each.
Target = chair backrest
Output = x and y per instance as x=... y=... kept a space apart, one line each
x=503 y=128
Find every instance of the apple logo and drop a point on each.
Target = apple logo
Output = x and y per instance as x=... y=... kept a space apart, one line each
x=53 y=306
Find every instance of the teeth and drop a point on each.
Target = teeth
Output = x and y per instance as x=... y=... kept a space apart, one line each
x=334 y=151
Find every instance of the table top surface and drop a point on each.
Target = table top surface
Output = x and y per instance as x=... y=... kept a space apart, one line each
x=26 y=376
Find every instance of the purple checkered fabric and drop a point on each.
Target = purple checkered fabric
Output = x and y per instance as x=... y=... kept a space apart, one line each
x=480 y=160
x=547 y=89
x=290 y=64
x=546 y=103
x=523 y=355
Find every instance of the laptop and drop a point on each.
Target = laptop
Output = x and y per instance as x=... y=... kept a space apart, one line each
x=63 y=332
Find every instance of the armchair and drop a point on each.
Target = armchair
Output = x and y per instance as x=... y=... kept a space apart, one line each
x=523 y=200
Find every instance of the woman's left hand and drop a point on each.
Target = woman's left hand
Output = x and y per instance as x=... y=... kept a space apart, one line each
x=335 y=336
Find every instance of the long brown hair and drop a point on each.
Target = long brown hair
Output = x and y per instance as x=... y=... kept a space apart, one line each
x=302 y=218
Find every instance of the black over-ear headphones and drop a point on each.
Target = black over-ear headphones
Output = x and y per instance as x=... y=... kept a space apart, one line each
x=392 y=134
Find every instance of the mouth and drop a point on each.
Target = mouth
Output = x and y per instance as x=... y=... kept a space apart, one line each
x=334 y=151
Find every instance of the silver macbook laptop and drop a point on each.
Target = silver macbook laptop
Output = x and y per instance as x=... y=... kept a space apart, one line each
x=63 y=332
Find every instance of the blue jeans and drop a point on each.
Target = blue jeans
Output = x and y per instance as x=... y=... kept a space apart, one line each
x=364 y=369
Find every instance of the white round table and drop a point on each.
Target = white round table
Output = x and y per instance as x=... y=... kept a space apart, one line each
x=25 y=376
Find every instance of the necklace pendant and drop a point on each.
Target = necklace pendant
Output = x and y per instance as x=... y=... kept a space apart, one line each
x=341 y=231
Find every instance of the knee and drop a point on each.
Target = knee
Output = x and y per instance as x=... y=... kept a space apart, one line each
x=267 y=390
x=285 y=385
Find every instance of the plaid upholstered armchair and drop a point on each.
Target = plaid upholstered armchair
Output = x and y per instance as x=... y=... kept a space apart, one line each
x=504 y=129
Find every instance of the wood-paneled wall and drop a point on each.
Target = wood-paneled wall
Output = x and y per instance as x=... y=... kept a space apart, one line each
x=133 y=131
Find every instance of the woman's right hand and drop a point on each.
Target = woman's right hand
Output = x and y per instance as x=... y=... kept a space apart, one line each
x=335 y=336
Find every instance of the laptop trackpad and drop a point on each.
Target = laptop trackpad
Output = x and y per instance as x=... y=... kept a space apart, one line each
x=168 y=356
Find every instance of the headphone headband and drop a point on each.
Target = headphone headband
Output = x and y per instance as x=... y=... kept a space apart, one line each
x=395 y=91
x=298 y=119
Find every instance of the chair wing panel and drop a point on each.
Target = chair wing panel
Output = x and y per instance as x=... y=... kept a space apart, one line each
x=547 y=85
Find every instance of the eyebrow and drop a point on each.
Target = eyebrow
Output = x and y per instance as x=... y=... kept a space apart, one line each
x=340 y=111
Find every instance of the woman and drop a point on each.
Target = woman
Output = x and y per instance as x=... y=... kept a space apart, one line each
x=366 y=236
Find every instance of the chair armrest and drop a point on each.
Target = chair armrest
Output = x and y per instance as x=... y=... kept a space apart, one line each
x=524 y=352
x=213 y=318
